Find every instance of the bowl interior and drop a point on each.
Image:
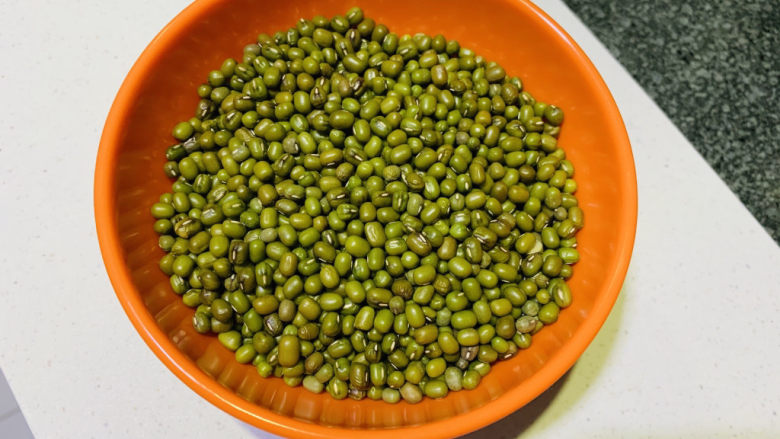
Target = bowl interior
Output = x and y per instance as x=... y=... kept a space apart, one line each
x=161 y=91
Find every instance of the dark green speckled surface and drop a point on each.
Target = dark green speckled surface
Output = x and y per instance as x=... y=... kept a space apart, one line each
x=714 y=68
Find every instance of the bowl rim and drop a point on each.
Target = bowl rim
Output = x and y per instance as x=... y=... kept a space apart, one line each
x=226 y=400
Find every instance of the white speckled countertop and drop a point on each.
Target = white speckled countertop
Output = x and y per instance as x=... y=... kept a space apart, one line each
x=691 y=348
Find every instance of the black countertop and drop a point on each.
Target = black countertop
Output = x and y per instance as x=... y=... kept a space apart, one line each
x=714 y=68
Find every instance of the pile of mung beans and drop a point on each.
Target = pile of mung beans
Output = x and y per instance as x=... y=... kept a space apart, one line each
x=366 y=214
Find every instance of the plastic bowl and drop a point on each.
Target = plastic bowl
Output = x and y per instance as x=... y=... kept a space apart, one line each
x=160 y=90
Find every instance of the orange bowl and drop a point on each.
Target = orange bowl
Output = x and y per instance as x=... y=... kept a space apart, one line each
x=160 y=90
